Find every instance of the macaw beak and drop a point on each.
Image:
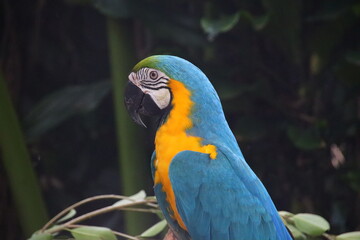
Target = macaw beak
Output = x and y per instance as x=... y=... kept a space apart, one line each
x=133 y=99
x=138 y=103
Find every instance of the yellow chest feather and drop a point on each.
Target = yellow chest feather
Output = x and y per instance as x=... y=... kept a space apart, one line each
x=171 y=138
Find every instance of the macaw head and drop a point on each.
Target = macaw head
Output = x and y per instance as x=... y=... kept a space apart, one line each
x=148 y=92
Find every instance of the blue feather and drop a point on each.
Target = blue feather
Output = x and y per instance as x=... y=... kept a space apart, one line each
x=222 y=198
x=165 y=208
x=223 y=207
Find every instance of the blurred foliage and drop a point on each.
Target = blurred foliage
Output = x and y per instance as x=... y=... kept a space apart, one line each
x=303 y=226
x=287 y=73
x=67 y=220
x=16 y=161
x=63 y=104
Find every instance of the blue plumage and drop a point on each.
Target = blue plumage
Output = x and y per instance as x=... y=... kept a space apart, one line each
x=221 y=198
x=218 y=200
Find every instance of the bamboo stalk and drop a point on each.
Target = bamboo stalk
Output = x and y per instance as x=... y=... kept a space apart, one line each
x=133 y=165
x=23 y=181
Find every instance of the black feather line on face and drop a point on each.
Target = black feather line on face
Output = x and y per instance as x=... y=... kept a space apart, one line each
x=153 y=82
x=160 y=84
x=157 y=80
x=157 y=88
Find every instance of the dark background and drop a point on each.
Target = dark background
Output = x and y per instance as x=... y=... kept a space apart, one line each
x=287 y=72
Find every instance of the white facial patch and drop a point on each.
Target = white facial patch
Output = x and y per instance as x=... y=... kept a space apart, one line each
x=154 y=83
x=161 y=97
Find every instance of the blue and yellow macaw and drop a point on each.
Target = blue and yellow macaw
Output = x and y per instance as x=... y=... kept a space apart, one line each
x=204 y=186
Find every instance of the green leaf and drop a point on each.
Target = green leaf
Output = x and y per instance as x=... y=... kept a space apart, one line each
x=114 y=8
x=63 y=237
x=356 y=9
x=69 y=215
x=41 y=236
x=155 y=229
x=223 y=24
x=349 y=236
x=353 y=57
x=140 y=196
x=260 y=22
x=92 y=233
x=285 y=214
x=352 y=178
x=311 y=224
x=151 y=198
x=63 y=104
x=305 y=139
x=295 y=232
x=289 y=224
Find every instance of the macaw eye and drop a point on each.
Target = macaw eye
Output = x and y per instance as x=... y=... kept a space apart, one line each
x=153 y=75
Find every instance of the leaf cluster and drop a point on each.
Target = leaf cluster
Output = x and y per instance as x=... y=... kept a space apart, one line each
x=303 y=226
x=67 y=221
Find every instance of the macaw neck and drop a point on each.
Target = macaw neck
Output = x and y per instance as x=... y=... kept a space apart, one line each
x=178 y=119
x=174 y=135
x=197 y=112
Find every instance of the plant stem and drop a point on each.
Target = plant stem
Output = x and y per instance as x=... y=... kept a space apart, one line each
x=90 y=199
x=131 y=155
x=93 y=214
x=115 y=232
x=125 y=235
x=16 y=159
x=142 y=210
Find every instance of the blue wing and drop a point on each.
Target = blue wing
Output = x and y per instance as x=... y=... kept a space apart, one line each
x=164 y=206
x=223 y=199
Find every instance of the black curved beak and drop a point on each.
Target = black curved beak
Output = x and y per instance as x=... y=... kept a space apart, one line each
x=138 y=103
x=133 y=98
